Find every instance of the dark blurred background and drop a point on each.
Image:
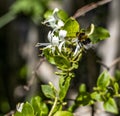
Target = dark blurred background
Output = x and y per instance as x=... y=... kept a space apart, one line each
x=21 y=30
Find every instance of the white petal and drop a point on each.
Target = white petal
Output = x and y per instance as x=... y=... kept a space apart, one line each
x=49 y=46
x=76 y=50
x=62 y=33
x=55 y=40
x=20 y=107
x=55 y=10
x=60 y=23
x=50 y=36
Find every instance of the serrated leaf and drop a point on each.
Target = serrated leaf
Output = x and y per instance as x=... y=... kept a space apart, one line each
x=40 y=108
x=63 y=113
x=61 y=62
x=99 y=34
x=64 y=84
x=27 y=110
x=103 y=80
x=72 y=27
x=48 y=91
x=110 y=106
x=62 y=15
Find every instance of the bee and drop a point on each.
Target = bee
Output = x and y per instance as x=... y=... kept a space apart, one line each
x=83 y=38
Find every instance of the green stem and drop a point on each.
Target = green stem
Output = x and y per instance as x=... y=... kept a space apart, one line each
x=53 y=107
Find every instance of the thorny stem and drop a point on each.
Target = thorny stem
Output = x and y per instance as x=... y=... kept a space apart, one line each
x=53 y=107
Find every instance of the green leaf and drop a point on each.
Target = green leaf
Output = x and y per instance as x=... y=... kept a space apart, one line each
x=96 y=96
x=18 y=114
x=40 y=108
x=64 y=84
x=49 y=56
x=48 y=14
x=82 y=88
x=103 y=80
x=48 y=91
x=63 y=113
x=110 y=106
x=83 y=99
x=99 y=34
x=62 y=15
x=27 y=110
x=116 y=87
x=72 y=27
x=117 y=75
x=62 y=62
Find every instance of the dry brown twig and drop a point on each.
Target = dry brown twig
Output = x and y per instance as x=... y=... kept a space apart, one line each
x=117 y=60
x=89 y=7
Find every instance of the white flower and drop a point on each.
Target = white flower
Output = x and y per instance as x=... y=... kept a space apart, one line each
x=61 y=45
x=19 y=107
x=54 y=21
x=55 y=40
x=60 y=23
x=50 y=36
x=62 y=33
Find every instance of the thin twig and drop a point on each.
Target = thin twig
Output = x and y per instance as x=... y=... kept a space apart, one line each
x=117 y=60
x=103 y=64
x=89 y=7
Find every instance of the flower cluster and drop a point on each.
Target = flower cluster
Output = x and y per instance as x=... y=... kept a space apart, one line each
x=57 y=36
x=66 y=33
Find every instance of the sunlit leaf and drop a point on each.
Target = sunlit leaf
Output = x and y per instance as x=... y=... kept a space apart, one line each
x=27 y=110
x=99 y=34
x=63 y=113
x=110 y=106
x=82 y=88
x=18 y=114
x=40 y=108
x=72 y=27
x=103 y=80
x=116 y=87
x=62 y=15
x=96 y=96
x=48 y=14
